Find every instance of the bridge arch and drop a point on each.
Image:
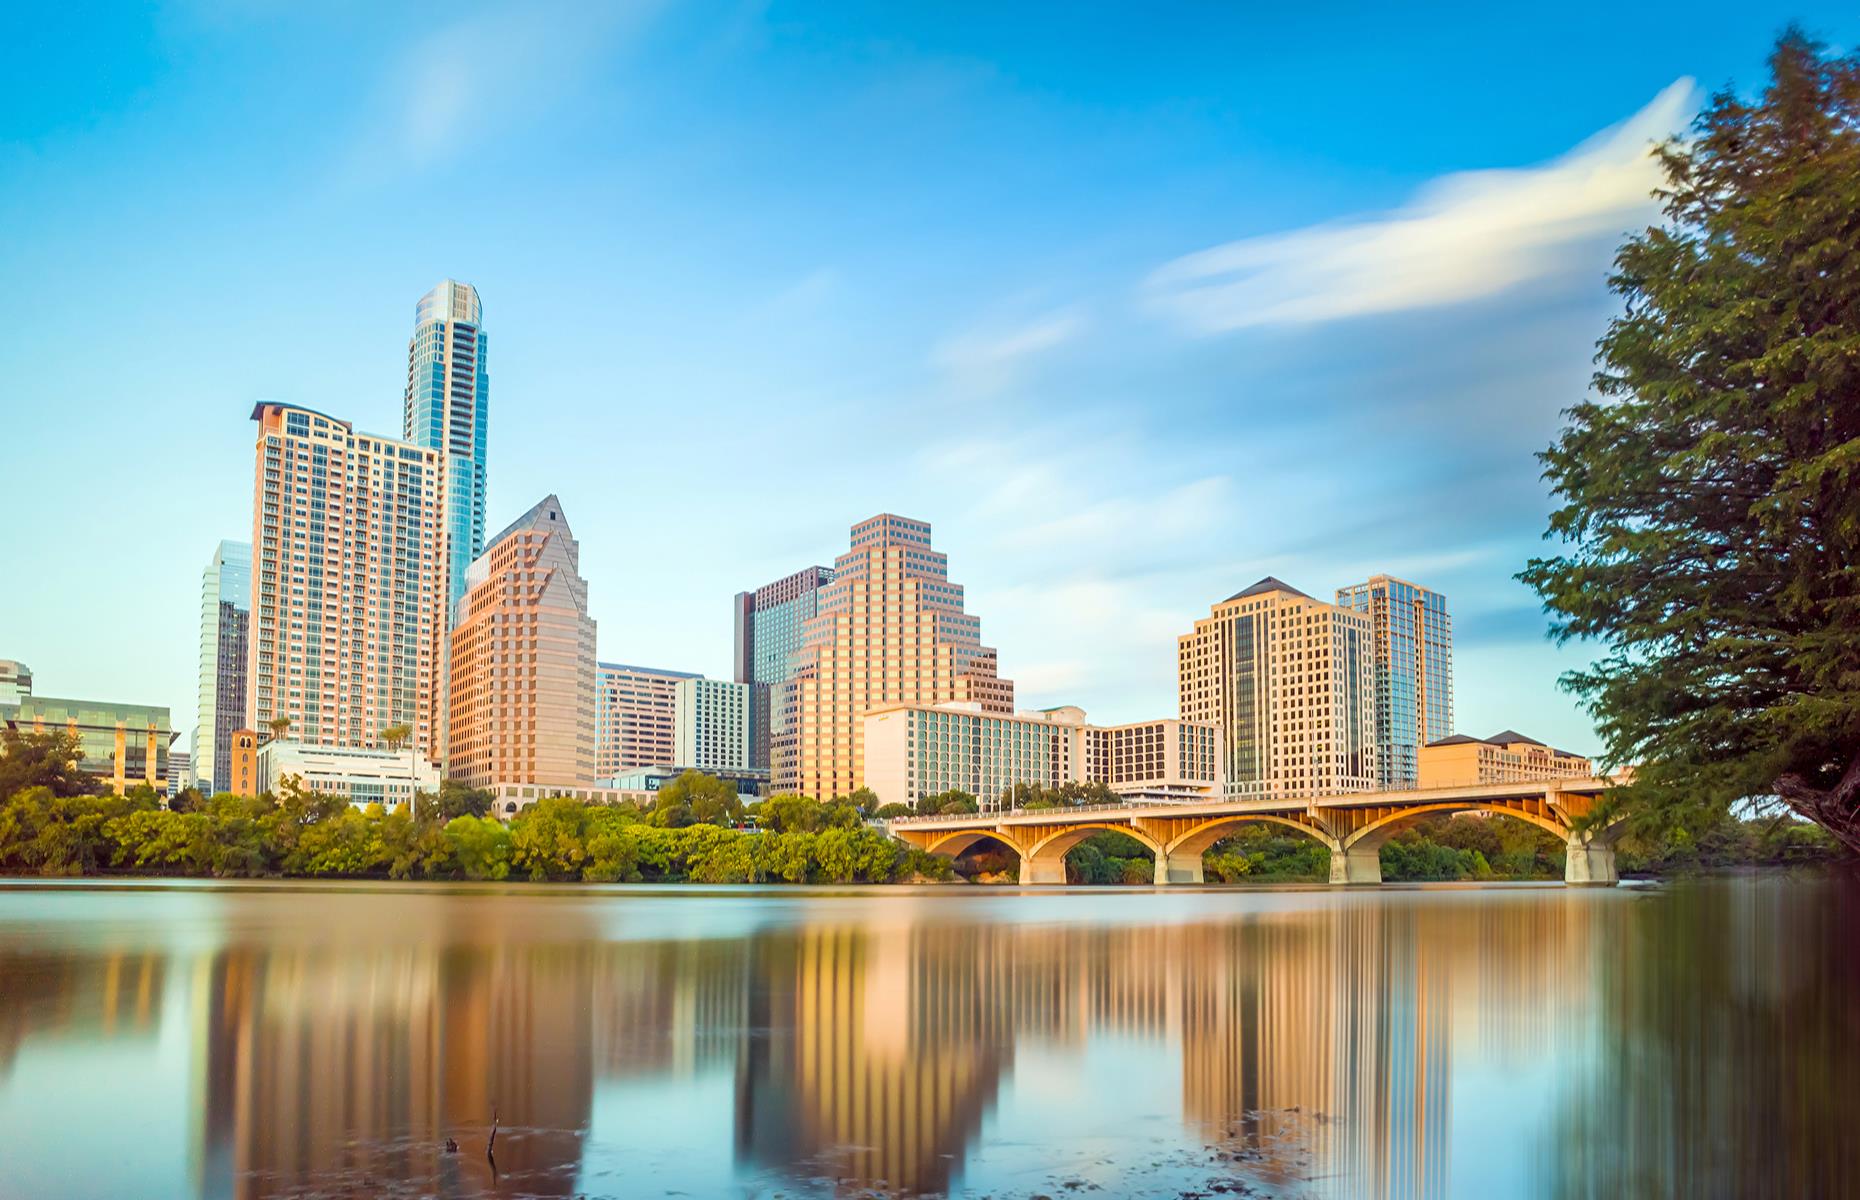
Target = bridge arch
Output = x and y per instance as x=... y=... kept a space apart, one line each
x=1044 y=860
x=1197 y=840
x=954 y=841
x=1373 y=835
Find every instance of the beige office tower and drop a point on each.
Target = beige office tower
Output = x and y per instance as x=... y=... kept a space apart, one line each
x=349 y=560
x=522 y=684
x=1290 y=683
x=889 y=629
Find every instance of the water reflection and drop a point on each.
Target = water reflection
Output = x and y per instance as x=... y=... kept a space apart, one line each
x=1524 y=1042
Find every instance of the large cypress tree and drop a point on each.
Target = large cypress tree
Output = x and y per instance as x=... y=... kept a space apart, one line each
x=1710 y=487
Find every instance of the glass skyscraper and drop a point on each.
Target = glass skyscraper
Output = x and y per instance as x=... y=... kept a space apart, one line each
x=225 y=614
x=769 y=621
x=1414 y=672
x=448 y=403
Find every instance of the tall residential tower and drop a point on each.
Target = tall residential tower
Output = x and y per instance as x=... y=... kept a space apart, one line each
x=225 y=614
x=349 y=565
x=447 y=406
x=1290 y=683
x=1414 y=672
x=889 y=629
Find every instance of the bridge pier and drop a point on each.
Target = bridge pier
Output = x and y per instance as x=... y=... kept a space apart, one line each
x=1180 y=867
x=1043 y=870
x=1589 y=863
x=1361 y=864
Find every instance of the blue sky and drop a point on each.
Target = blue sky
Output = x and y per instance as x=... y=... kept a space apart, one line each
x=1134 y=305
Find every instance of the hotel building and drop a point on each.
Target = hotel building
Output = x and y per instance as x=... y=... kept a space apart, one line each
x=123 y=744
x=225 y=620
x=769 y=623
x=349 y=568
x=913 y=751
x=635 y=717
x=889 y=629
x=711 y=725
x=1507 y=757
x=1414 y=672
x=359 y=775
x=1290 y=683
x=447 y=406
x=522 y=665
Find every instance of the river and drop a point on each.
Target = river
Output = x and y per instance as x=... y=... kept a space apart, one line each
x=258 y=1040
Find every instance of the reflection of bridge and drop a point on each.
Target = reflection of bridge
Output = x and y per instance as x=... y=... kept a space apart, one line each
x=1352 y=827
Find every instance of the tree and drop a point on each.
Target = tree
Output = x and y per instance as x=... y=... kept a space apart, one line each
x=455 y=800
x=279 y=727
x=1710 y=490
x=951 y=803
x=48 y=760
x=396 y=736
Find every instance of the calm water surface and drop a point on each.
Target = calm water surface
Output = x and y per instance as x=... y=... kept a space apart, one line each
x=283 y=1040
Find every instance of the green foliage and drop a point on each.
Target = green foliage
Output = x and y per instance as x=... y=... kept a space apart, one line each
x=1265 y=853
x=790 y=813
x=951 y=803
x=304 y=833
x=1110 y=858
x=889 y=811
x=1067 y=795
x=42 y=760
x=454 y=799
x=695 y=798
x=1711 y=490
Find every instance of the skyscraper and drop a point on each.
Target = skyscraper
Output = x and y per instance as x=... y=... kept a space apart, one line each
x=1414 y=671
x=522 y=674
x=635 y=717
x=889 y=629
x=769 y=622
x=349 y=568
x=1290 y=683
x=225 y=617
x=447 y=407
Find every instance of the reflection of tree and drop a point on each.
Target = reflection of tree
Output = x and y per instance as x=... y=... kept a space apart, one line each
x=1725 y=1053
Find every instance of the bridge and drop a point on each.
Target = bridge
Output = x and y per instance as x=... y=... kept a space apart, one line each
x=1353 y=827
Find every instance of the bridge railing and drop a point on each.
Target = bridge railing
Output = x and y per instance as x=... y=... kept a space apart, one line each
x=997 y=813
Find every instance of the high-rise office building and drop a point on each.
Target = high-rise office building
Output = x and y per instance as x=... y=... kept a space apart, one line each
x=635 y=717
x=522 y=673
x=349 y=568
x=1290 y=683
x=711 y=725
x=225 y=618
x=1414 y=671
x=769 y=622
x=447 y=409
x=889 y=629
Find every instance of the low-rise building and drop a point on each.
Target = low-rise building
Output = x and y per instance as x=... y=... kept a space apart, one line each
x=359 y=774
x=1507 y=757
x=913 y=751
x=639 y=786
x=123 y=744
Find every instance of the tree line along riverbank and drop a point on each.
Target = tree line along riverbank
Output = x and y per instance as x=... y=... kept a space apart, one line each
x=697 y=830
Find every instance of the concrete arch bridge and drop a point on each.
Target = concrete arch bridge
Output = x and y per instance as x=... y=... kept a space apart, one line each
x=1353 y=827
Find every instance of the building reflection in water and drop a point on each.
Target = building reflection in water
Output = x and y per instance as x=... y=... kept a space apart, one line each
x=1315 y=1045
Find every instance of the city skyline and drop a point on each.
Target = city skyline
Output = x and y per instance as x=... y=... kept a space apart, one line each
x=1096 y=375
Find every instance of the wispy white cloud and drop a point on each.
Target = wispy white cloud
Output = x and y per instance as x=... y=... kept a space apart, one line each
x=489 y=72
x=1463 y=237
x=988 y=358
